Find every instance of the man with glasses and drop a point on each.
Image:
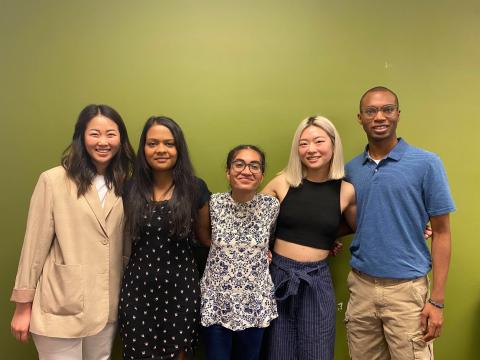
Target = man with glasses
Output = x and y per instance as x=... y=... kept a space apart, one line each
x=399 y=189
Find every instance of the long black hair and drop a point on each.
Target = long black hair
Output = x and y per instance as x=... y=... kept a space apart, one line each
x=140 y=193
x=79 y=165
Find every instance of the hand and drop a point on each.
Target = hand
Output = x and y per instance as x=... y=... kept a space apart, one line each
x=269 y=256
x=431 y=320
x=337 y=247
x=427 y=232
x=20 y=324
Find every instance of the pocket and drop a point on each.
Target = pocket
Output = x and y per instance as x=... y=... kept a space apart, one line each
x=419 y=290
x=421 y=349
x=348 y=325
x=62 y=290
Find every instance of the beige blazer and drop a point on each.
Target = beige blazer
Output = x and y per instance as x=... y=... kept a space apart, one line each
x=72 y=258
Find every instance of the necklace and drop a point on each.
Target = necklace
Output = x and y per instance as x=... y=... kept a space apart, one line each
x=162 y=196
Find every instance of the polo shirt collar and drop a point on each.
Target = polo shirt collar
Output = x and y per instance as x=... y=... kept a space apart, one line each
x=395 y=154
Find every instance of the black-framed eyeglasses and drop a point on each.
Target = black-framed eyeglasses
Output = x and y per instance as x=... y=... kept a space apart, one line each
x=387 y=110
x=239 y=165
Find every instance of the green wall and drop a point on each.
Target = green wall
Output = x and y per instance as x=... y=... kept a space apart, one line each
x=244 y=72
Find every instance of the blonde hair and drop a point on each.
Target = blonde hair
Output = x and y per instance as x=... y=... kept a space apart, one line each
x=296 y=171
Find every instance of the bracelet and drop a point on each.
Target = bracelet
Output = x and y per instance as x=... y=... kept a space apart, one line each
x=436 y=304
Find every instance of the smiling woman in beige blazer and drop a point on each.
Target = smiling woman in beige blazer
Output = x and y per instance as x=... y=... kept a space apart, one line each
x=67 y=285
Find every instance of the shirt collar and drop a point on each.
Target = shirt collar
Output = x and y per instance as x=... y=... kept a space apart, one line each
x=395 y=154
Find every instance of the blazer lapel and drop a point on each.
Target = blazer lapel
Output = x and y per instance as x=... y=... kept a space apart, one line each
x=110 y=200
x=94 y=202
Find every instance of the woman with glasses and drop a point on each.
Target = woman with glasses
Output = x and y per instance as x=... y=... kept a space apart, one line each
x=68 y=280
x=312 y=198
x=237 y=290
x=165 y=205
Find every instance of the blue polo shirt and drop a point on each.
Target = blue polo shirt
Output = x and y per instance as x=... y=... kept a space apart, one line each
x=395 y=200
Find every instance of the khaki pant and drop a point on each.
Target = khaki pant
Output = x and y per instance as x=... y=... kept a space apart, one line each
x=383 y=318
x=95 y=347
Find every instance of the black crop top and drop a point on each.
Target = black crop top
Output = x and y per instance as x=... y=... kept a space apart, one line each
x=310 y=214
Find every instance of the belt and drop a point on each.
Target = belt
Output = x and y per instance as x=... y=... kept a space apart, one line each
x=380 y=280
x=292 y=281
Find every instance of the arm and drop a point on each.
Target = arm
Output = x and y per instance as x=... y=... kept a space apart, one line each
x=202 y=226
x=269 y=189
x=38 y=238
x=126 y=236
x=39 y=235
x=127 y=248
x=432 y=317
x=344 y=229
x=348 y=204
x=349 y=211
x=277 y=187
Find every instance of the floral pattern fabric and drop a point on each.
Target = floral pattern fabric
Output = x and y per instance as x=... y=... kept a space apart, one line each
x=237 y=290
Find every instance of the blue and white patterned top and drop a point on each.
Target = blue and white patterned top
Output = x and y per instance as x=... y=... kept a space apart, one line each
x=237 y=290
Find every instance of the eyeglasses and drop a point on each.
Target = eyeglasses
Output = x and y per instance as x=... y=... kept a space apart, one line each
x=387 y=110
x=239 y=165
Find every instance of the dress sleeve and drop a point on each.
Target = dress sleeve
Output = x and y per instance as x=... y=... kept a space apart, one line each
x=39 y=235
x=203 y=194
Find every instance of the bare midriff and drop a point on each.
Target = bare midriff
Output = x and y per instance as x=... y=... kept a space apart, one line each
x=299 y=252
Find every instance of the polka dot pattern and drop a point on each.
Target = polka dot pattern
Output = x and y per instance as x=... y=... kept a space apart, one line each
x=160 y=294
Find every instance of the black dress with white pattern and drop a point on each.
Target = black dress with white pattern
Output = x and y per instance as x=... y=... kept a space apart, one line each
x=160 y=294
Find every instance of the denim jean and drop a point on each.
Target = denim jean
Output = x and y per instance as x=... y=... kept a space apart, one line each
x=225 y=344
